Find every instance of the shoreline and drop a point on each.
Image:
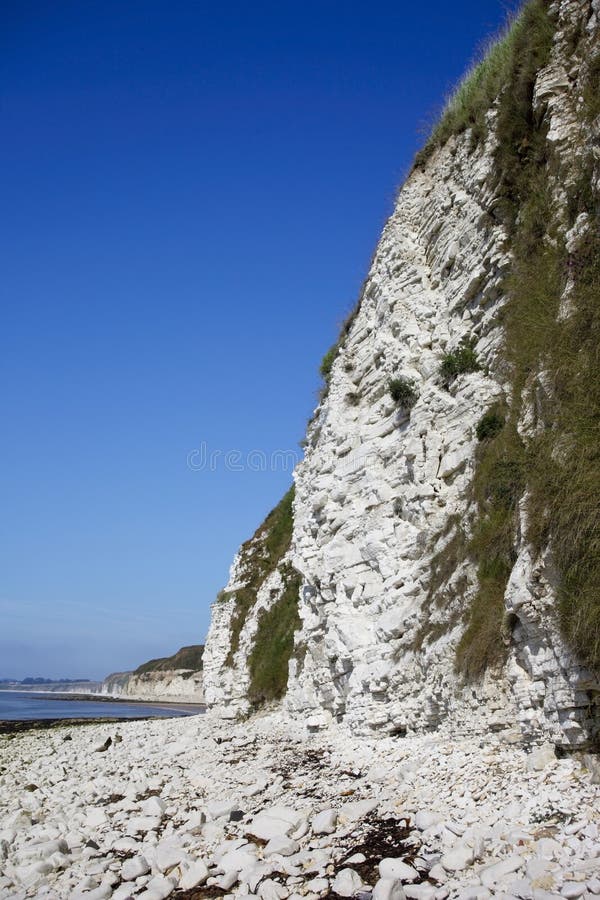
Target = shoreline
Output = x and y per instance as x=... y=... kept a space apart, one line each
x=12 y=727
x=41 y=723
x=107 y=698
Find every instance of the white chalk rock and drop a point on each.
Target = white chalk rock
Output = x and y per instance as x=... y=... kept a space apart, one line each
x=154 y=806
x=284 y=846
x=159 y=888
x=540 y=757
x=457 y=859
x=168 y=854
x=272 y=890
x=95 y=818
x=388 y=889
x=397 y=868
x=195 y=875
x=346 y=883
x=356 y=810
x=134 y=867
x=236 y=860
x=278 y=821
x=491 y=875
x=142 y=824
x=324 y=822
x=425 y=819
x=420 y=891
x=573 y=889
x=228 y=879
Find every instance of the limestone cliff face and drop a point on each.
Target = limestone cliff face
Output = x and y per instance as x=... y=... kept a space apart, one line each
x=174 y=686
x=385 y=490
x=176 y=678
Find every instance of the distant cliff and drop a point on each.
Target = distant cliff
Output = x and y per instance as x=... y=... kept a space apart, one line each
x=439 y=558
x=177 y=678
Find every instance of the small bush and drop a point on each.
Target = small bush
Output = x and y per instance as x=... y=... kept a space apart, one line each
x=353 y=398
x=327 y=363
x=490 y=424
x=463 y=359
x=403 y=392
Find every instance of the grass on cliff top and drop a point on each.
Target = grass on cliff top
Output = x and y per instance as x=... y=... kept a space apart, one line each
x=259 y=558
x=468 y=106
x=189 y=658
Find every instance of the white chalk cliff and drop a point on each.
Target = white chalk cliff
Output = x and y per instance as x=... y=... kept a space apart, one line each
x=174 y=686
x=176 y=678
x=383 y=488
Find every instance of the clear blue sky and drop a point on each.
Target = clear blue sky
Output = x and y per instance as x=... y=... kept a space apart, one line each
x=191 y=193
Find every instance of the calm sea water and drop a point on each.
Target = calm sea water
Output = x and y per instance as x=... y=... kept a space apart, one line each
x=25 y=705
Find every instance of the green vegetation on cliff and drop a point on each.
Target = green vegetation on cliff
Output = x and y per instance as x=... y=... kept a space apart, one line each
x=260 y=557
x=469 y=105
x=189 y=658
x=553 y=351
x=274 y=643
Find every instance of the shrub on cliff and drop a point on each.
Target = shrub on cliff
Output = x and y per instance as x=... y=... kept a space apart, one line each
x=459 y=361
x=403 y=392
x=490 y=424
x=327 y=363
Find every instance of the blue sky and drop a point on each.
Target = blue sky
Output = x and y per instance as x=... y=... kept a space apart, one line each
x=191 y=193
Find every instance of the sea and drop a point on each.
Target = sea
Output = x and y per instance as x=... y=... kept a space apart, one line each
x=26 y=705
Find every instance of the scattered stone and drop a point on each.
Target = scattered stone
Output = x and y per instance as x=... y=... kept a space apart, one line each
x=282 y=845
x=194 y=876
x=346 y=883
x=388 y=889
x=278 y=821
x=272 y=890
x=397 y=869
x=460 y=857
x=491 y=875
x=134 y=867
x=573 y=889
x=324 y=822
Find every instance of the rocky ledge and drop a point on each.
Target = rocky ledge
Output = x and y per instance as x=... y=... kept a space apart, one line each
x=197 y=807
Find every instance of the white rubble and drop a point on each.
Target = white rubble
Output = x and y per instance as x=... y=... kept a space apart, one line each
x=474 y=817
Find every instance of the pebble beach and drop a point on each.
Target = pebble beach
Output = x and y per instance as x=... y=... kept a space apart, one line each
x=200 y=807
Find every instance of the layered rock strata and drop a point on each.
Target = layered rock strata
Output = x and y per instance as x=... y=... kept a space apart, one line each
x=386 y=488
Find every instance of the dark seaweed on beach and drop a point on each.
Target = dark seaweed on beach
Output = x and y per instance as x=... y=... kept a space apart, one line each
x=379 y=839
x=200 y=893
